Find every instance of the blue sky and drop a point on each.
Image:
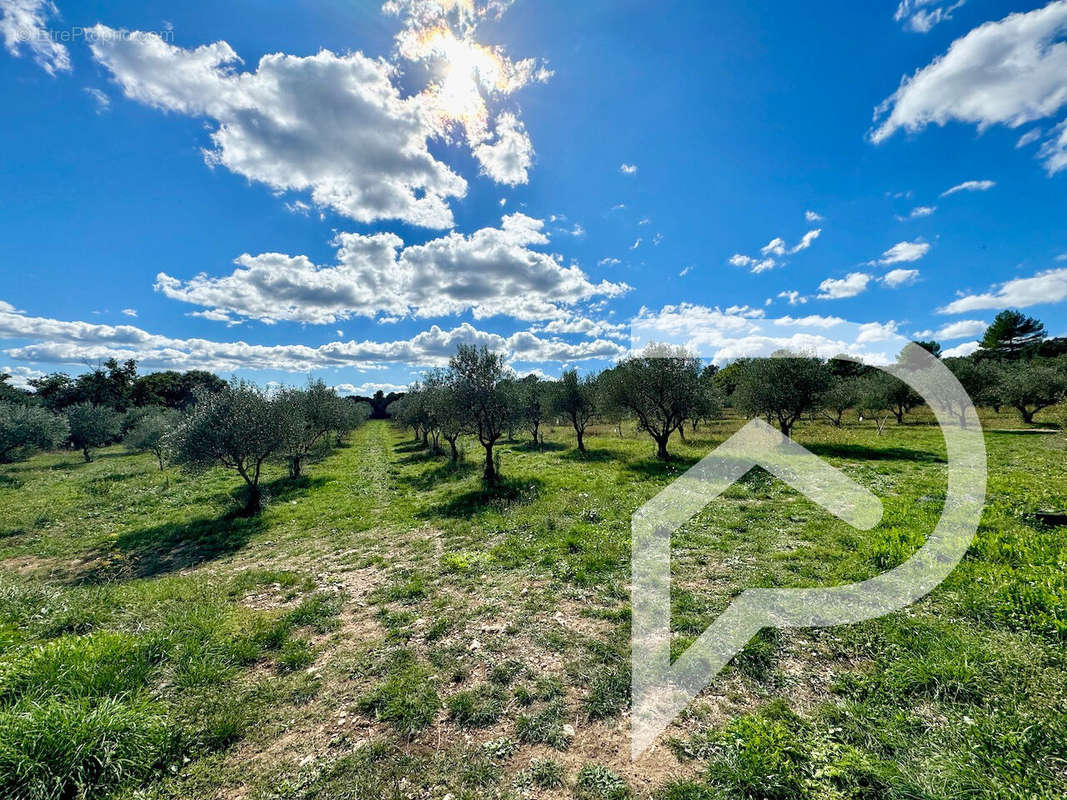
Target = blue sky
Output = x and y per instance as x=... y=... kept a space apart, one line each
x=349 y=190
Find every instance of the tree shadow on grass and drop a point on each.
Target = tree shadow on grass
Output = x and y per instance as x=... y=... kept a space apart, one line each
x=420 y=456
x=862 y=452
x=410 y=447
x=508 y=493
x=443 y=473
x=172 y=547
x=175 y=546
x=655 y=469
x=547 y=447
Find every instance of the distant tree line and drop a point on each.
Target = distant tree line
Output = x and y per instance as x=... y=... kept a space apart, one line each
x=664 y=388
x=191 y=419
x=197 y=420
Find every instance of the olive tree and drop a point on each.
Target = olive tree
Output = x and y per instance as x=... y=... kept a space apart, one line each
x=238 y=427
x=348 y=416
x=25 y=430
x=532 y=404
x=783 y=388
x=308 y=415
x=874 y=398
x=148 y=432
x=577 y=399
x=92 y=426
x=978 y=379
x=445 y=409
x=709 y=400
x=841 y=395
x=660 y=386
x=483 y=386
x=1028 y=388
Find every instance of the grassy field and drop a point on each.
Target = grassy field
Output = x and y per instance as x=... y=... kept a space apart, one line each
x=388 y=629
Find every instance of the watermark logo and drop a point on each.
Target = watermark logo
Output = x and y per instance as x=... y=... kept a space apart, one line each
x=662 y=690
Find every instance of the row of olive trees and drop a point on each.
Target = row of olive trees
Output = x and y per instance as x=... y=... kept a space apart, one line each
x=478 y=395
x=237 y=426
x=241 y=427
x=663 y=388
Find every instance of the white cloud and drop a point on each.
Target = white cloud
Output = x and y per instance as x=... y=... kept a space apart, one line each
x=904 y=252
x=839 y=288
x=721 y=336
x=964 y=329
x=584 y=326
x=965 y=349
x=367 y=389
x=806 y=240
x=1029 y=138
x=1010 y=72
x=332 y=125
x=636 y=243
x=685 y=271
x=896 y=278
x=794 y=297
x=920 y=16
x=23 y=24
x=812 y=216
x=21 y=376
x=918 y=212
x=508 y=159
x=130 y=312
x=876 y=332
x=970 y=186
x=103 y=102
x=775 y=247
x=60 y=342
x=757 y=265
x=628 y=169
x=493 y=271
x=1044 y=287
x=608 y=262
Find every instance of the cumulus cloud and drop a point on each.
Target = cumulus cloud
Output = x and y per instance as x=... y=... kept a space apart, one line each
x=757 y=265
x=24 y=26
x=609 y=261
x=793 y=296
x=628 y=169
x=721 y=336
x=775 y=249
x=896 y=278
x=1011 y=72
x=584 y=326
x=130 y=312
x=965 y=349
x=1049 y=286
x=367 y=389
x=920 y=16
x=812 y=216
x=964 y=329
x=61 y=342
x=839 y=288
x=335 y=126
x=508 y=159
x=969 y=186
x=904 y=252
x=493 y=271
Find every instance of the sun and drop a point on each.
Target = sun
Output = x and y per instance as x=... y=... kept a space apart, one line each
x=465 y=72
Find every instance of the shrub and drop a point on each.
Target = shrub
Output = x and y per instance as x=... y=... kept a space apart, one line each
x=25 y=429
x=92 y=426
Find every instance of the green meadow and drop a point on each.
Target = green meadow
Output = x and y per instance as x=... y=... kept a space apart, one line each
x=389 y=628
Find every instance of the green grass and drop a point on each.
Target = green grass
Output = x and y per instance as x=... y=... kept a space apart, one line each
x=406 y=632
